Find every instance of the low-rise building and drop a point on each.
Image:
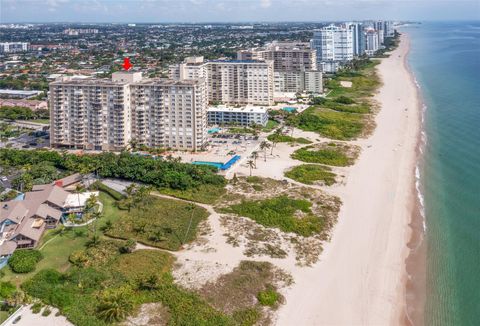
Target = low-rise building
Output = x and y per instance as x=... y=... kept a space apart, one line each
x=33 y=105
x=13 y=47
x=239 y=116
x=23 y=221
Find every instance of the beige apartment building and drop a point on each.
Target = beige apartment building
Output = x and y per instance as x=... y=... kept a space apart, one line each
x=230 y=81
x=101 y=114
x=295 y=66
x=286 y=56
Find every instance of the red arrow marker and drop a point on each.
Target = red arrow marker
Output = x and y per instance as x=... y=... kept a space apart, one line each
x=126 y=63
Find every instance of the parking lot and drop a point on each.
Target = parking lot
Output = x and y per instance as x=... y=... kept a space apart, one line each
x=28 y=140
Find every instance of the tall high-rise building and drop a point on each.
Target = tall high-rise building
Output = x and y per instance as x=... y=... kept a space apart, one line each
x=359 y=41
x=372 y=41
x=230 y=81
x=379 y=26
x=286 y=56
x=101 y=114
x=294 y=64
x=333 y=43
x=169 y=113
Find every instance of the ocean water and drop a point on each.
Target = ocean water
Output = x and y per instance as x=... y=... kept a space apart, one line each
x=445 y=58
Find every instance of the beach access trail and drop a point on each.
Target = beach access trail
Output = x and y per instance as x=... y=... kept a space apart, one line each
x=360 y=279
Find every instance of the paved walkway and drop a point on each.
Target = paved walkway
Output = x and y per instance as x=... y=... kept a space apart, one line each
x=28 y=318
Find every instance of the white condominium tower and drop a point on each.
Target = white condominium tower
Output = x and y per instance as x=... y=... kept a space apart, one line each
x=333 y=43
x=101 y=114
x=230 y=81
x=372 y=41
x=90 y=113
x=169 y=113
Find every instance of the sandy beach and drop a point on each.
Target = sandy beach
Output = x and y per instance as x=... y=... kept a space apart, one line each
x=361 y=276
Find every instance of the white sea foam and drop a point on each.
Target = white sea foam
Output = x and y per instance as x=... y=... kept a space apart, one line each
x=421 y=198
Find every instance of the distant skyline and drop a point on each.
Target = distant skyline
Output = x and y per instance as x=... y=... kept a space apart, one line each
x=192 y=11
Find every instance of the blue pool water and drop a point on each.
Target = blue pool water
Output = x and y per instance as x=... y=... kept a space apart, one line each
x=214 y=130
x=220 y=166
x=289 y=109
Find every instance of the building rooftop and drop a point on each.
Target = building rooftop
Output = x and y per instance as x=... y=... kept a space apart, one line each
x=243 y=109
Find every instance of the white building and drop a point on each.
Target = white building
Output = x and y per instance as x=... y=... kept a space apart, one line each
x=103 y=114
x=241 y=116
x=169 y=113
x=230 y=81
x=333 y=43
x=13 y=47
x=372 y=42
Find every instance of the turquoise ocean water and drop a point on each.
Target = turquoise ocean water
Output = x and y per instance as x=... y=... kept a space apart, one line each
x=445 y=58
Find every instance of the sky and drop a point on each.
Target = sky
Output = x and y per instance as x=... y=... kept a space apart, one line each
x=165 y=11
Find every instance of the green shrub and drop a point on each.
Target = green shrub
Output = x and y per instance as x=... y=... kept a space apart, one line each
x=329 y=156
x=7 y=289
x=24 y=260
x=46 y=312
x=344 y=100
x=269 y=297
x=331 y=124
x=278 y=138
x=280 y=212
x=254 y=179
x=247 y=317
x=36 y=307
x=309 y=173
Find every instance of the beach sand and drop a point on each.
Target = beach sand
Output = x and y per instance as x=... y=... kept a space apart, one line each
x=361 y=276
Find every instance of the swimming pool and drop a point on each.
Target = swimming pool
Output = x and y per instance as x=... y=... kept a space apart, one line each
x=214 y=130
x=215 y=164
x=220 y=166
x=289 y=109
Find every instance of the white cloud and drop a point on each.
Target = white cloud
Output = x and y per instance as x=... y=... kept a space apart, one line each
x=265 y=3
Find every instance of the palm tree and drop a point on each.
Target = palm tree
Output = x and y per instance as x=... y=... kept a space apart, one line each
x=264 y=145
x=251 y=165
x=254 y=157
x=115 y=305
x=78 y=190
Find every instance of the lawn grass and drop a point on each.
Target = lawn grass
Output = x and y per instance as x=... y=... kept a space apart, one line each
x=205 y=194
x=311 y=173
x=331 y=154
x=280 y=212
x=161 y=223
x=55 y=254
x=271 y=124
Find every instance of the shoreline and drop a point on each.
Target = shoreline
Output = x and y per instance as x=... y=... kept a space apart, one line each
x=363 y=270
x=415 y=263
